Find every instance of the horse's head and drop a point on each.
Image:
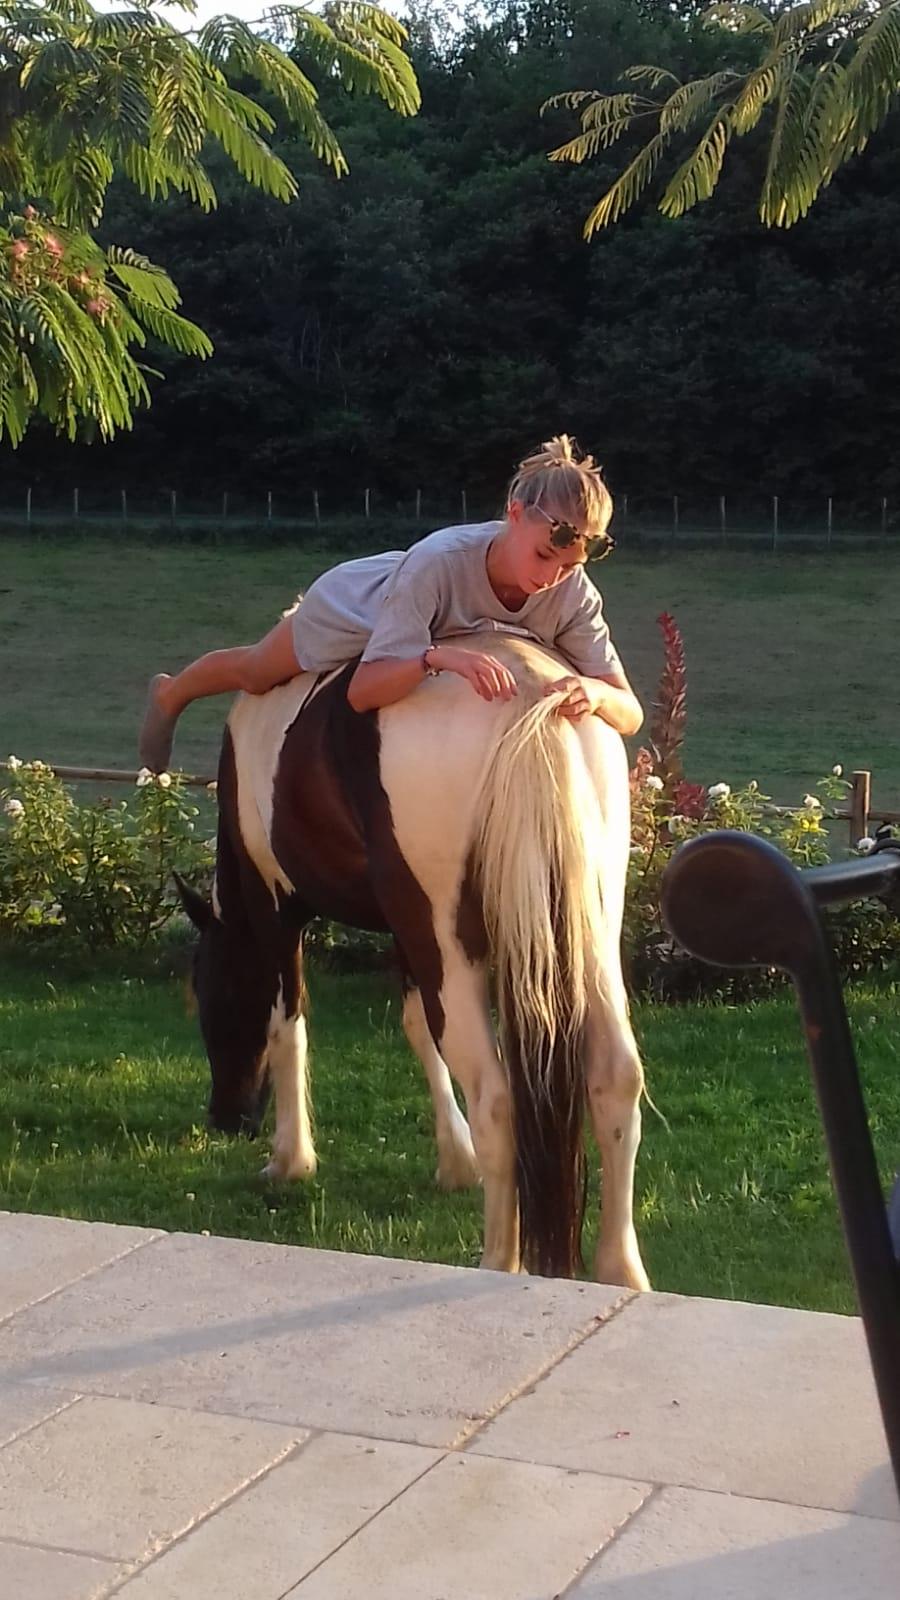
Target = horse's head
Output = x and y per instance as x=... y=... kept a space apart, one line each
x=233 y=1006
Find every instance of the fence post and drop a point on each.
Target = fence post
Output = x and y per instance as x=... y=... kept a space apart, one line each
x=316 y=506
x=860 y=802
x=774 y=522
x=830 y=523
x=28 y=508
x=368 y=504
x=418 y=504
x=465 y=514
x=269 y=506
x=74 y=502
x=722 y=523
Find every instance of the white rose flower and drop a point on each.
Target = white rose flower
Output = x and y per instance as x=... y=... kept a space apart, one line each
x=863 y=846
x=165 y=780
x=144 y=777
x=719 y=791
x=653 y=782
x=212 y=788
x=812 y=802
x=14 y=808
x=13 y=763
x=837 y=770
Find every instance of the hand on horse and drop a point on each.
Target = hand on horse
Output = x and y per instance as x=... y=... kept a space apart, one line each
x=576 y=702
x=488 y=676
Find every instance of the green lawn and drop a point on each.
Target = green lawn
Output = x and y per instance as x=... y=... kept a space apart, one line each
x=102 y=1098
x=791 y=658
x=102 y=1081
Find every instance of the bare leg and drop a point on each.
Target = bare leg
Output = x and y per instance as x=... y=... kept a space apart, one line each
x=615 y=1079
x=254 y=668
x=457 y=1167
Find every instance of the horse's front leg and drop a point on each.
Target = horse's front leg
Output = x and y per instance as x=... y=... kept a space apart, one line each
x=293 y=1151
x=457 y=1164
x=615 y=1079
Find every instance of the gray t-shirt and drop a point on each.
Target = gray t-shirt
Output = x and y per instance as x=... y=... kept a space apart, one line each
x=396 y=604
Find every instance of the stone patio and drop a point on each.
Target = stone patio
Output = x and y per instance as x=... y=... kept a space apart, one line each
x=188 y=1418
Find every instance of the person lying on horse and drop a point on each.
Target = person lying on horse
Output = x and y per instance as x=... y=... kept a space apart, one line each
x=524 y=574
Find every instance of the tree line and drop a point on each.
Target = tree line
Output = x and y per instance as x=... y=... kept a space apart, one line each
x=422 y=322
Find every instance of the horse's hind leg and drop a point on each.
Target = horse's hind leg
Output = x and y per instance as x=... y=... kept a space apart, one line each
x=457 y=1167
x=615 y=1079
x=460 y=1021
x=293 y=1150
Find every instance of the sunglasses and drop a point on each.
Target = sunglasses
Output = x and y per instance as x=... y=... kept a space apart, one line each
x=564 y=534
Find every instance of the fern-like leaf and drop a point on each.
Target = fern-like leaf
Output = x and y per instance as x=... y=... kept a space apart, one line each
x=697 y=177
x=691 y=100
x=654 y=77
x=147 y=283
x=171 y=329
x=628 y=187
x=872 y=79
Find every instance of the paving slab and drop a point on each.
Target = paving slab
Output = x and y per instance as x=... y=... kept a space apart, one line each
x=22 y=1407
x=41 y=1254
x=30 y=1574
x=262 y=1543
x=474 y=1529
x=687 y=1545
x=348 y=1344
x=116 y=1479
x=756 y=1400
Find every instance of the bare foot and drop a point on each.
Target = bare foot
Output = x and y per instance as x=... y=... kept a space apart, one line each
x=158 y=727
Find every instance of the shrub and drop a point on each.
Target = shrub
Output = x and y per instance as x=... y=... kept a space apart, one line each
x=667 y=809
x=98 y=873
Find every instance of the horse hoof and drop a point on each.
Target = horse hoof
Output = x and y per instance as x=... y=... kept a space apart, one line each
x=623 y=1274
x=457 y=1171
x=450 y=1178
x=278 y=1171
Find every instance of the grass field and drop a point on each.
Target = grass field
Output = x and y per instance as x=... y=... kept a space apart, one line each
x=102 y=1099
x=791 y=658
x=102 y=1079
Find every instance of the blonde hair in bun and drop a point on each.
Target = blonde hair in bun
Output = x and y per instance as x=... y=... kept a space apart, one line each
x=565 y=484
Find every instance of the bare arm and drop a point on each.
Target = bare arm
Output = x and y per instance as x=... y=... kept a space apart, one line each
x=611 y=698
x=381 y=683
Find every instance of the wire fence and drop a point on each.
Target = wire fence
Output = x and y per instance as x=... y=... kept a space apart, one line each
x=737 y=521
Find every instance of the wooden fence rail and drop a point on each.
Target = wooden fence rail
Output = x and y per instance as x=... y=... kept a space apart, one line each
x=117 y=775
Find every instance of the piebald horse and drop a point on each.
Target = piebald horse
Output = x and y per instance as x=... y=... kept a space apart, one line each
x=491 y=840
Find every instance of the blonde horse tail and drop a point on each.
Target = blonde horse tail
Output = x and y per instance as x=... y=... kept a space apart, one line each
x=538 y=856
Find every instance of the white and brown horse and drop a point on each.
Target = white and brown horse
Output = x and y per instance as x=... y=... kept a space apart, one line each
x=491 y=840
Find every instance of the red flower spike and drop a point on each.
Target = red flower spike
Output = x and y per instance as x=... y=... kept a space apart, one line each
x=670 y=709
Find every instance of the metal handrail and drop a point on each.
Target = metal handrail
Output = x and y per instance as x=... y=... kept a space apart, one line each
x=733 y=900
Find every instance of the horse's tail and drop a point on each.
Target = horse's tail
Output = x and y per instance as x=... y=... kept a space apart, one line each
x=538 y=852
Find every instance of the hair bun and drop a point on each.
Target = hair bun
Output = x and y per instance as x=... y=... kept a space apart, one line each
x=558 y=477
